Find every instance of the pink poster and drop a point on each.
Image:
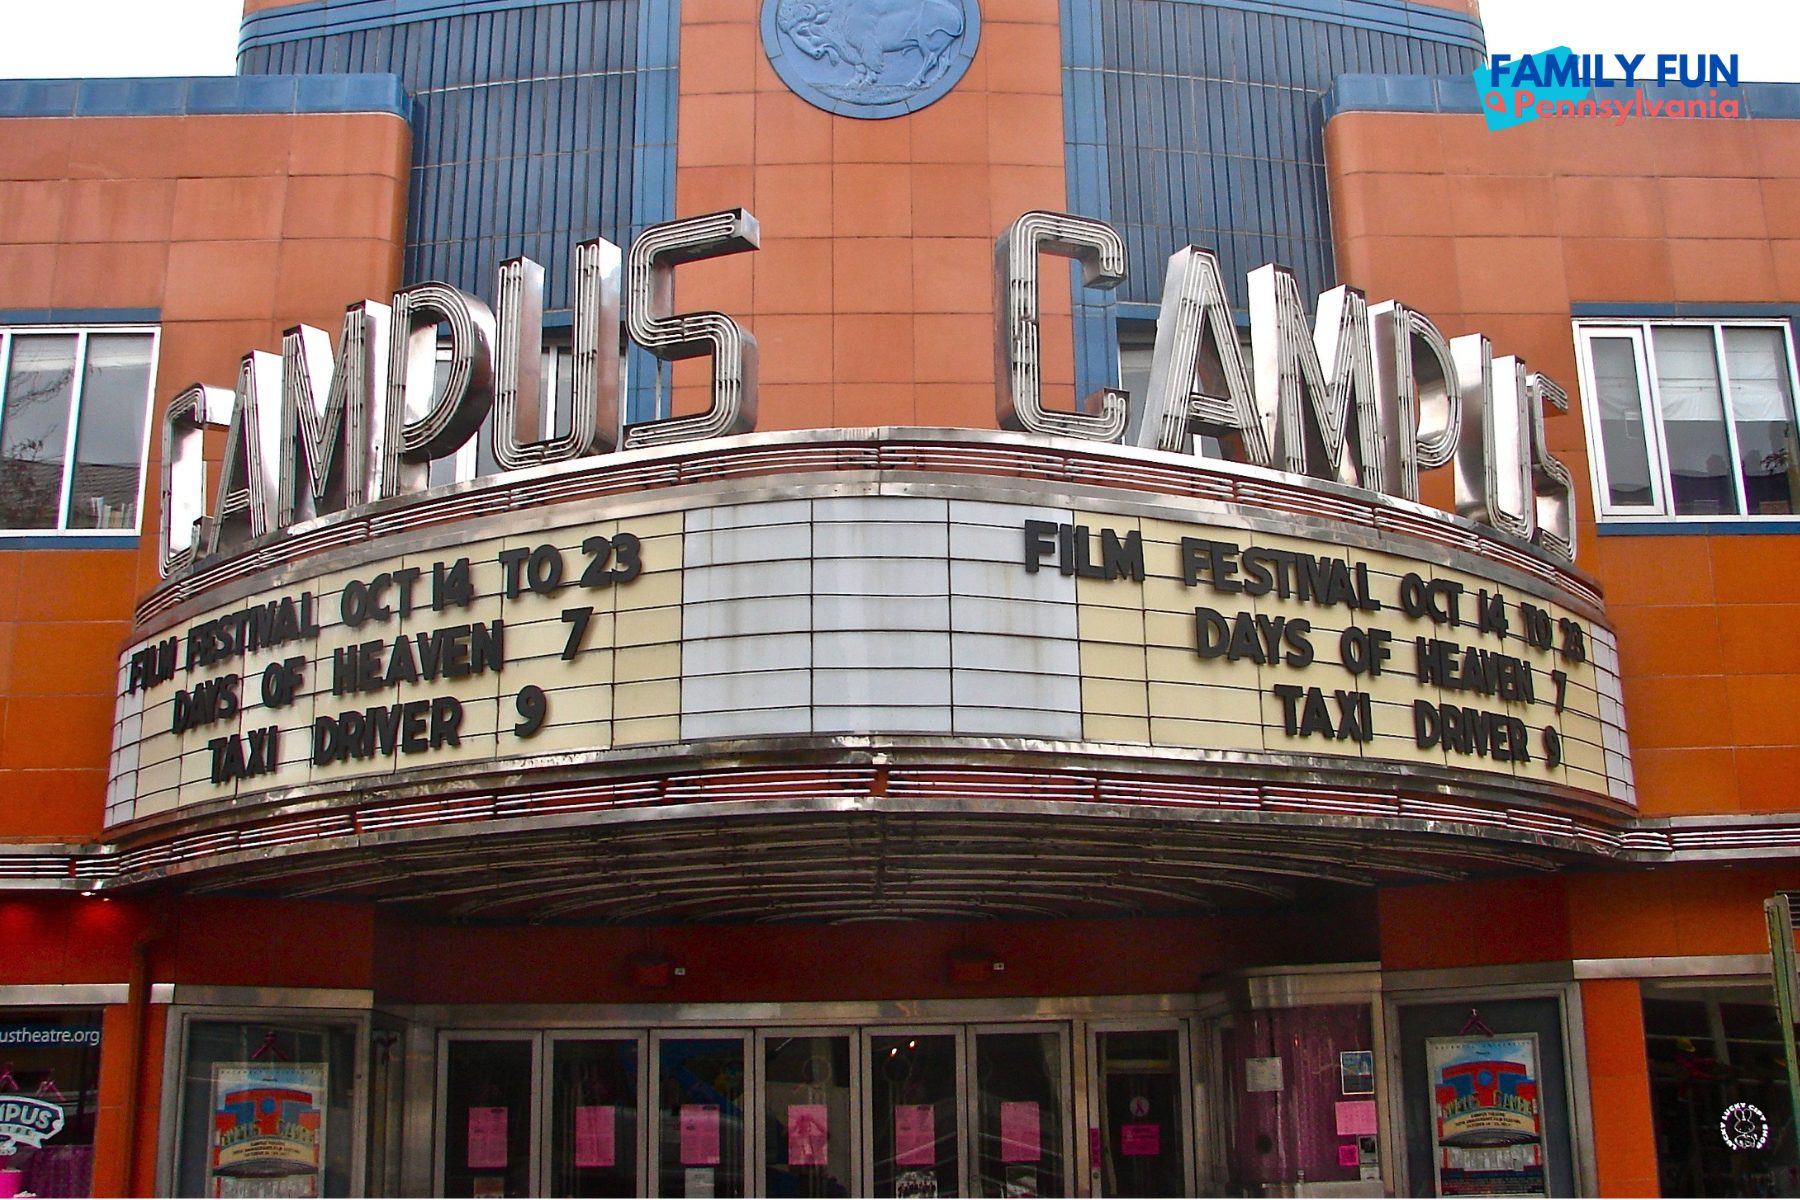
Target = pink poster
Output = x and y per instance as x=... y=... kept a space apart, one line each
x=594 y=1135
x=1021 y=1137
x=699 y=1135
x=1355 y=1117
x=1140 y=1141
x=1347 y=1155
x=915 y=1135
x=806 y=1129
x=487 y=1139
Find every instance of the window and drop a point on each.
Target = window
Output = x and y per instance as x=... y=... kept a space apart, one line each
x=74 y=405
x=1691 y=418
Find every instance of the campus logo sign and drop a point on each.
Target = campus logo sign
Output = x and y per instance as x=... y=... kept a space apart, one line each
x=27 y=1121
x=870 y=58
x=1616 y=87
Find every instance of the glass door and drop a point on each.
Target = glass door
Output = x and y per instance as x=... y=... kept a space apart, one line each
x=1020 y=1102
x=596 y=1098
x=916 y=1112
x=486 y=1085
x=1140 y=1132
x=701 y=1134
x=807 y=1114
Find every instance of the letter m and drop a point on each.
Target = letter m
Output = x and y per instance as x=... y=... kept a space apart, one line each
x=326 y=408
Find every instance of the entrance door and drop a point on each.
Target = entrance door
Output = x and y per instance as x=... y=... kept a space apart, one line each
x=702 y=1129
x=487 y=1139
x=1141 y=1122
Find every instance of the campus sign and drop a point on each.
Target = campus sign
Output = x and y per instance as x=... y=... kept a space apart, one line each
x=1369 y=395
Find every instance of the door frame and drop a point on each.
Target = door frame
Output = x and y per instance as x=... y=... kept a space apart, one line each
x=1187 y=1086
x=441 y=1107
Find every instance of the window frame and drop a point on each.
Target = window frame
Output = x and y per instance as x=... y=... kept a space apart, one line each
x=9 y=334
x=1641 y=332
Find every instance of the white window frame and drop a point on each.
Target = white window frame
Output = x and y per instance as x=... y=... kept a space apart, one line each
x=1641 y=333
x=8 y=334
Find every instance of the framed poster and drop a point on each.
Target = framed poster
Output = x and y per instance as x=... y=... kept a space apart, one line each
x=1487 y=1117
x=268 y=1134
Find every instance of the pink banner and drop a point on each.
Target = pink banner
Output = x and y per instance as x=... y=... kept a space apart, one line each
x=1140 y=1141
x=915 y=1135
x=1021 y=1132
x=594 y=1135
x=808 y=1143
x=487 y=1139
x=699 y=1135
x=1355 y=1117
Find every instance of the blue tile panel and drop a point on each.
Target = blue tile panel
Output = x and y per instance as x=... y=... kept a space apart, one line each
x=536 y=124
x=1359 y=92
x=1202 y=122
x=204 y=95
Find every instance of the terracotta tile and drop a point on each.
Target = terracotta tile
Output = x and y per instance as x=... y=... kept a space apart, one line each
x=1709 y=208
x=872 y=348
x=795 y=199
x=718 y=284
x=1503 y=205
x=714 y=189
x=1777 y=148
x=1673 y=782
x=789 y=130
x=859 y=141
x=219 y=146
x=1765 y=777
x=66 y=805
x=1604 y=206
x=1781 y=207
x=1667 y=641
x=229 y=209
x=872 y=275
x=222 y=280
x=1023 y=58
x=1015 y=190
x=1721 y=270
x=719 y=12
x=1056 y=362
x=354 y=206
x=949 y=201
x=1032 y=12
x=1466 y=146
x=348 y=144
x=207 y=352
x=1386 y=142
x=795 y=406
x=28 y=275
x=1627 y=270
x=1754 y=639
x=319 y=277
x=859 y=405
x=35 y=149
x=66 y=658
x=1674 y=711
x=32 y=210
x=1387 y=204
x=1704 y=148
x=729 y=52
x=121 y=147
x=1786 y=257
x=1025 y=130
x=1755 y=570
x=955 y=348
x=954 y=130
x=119 y=210
x=1513 y=274
x=57 y=731
x=1762 y=710
x=716 y=131
x=955 y=405
x=871 y=200
x=1417 y=270
x=954 y=275
x=111 y=275
x=1671 y=570
x=793 y=275
x=794 y=349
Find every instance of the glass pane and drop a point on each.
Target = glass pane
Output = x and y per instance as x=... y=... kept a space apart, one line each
x=1693 y=415
x=487 y=1118
x=52 y=1057
x=700 y=1149
x=34 y=431
x=1140 y=1114
x=257 y=1100
x=115 y=391
x=912 y=1087
x=806 y=1119
x=1618 y=392
x=1762 y=405
x=594 y=1115
x=1019 y=1094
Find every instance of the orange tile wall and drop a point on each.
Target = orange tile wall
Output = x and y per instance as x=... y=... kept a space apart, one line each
x=234 y=227
x=1500 y=232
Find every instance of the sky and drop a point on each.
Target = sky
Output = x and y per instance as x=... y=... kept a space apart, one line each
x=48 y=39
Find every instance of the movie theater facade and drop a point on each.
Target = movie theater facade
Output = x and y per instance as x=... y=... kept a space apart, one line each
x=779 y=598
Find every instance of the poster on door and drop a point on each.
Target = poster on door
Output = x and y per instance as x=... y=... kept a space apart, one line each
x=1488 y=1119
x=268 y=1132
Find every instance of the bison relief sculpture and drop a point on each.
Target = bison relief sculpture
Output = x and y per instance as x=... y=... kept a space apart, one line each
x=892 y=54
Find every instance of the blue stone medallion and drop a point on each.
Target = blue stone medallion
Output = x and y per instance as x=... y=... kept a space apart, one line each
x=870 y=58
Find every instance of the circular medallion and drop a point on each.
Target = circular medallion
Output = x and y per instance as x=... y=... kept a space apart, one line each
x=1744 y=1127
x=870 y=58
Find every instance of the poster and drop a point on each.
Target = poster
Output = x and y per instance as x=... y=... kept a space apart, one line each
x=594 y=1135
x=808 y=1143
x=915 y=1135
x=1355 y=1117
x=1021 y=1132
x=1488 y=1122
x=487 y=1139
x=1262 y=1075
x=699 y=1135
x=1140 y=1141
x=268 y=1134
